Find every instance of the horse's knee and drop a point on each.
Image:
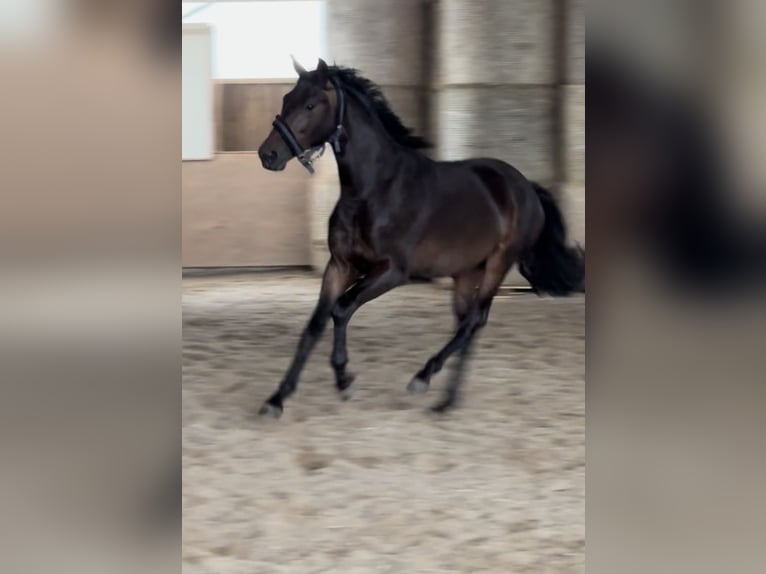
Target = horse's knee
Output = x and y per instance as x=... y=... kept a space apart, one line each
x=474 y=319
x=483 y=318
x=317 y=324
x=339 y=314
x=482 y=313
x=460 y=321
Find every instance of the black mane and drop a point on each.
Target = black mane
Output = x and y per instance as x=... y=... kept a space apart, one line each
x=378 y=103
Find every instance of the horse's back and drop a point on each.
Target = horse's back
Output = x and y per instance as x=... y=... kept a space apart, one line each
x=512 y=194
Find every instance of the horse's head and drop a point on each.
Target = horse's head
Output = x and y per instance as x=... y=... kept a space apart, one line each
x=311 y=116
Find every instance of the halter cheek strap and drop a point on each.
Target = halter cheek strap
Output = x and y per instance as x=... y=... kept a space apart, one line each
x=309 y=155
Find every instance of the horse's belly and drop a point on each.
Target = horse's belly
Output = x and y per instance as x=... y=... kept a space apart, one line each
x=446 y=257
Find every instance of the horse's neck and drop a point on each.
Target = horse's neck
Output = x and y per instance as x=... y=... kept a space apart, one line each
x=367 y=150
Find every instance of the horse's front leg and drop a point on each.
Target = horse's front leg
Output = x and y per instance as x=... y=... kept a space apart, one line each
x=374 y=284
x=337 y=277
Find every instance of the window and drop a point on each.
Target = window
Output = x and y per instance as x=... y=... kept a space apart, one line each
x=254 y=40
x=197 y=141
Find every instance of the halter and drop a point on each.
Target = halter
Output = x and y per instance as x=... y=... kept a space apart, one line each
x=309 y=155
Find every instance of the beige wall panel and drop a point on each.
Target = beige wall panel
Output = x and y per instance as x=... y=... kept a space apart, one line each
x=235 y=213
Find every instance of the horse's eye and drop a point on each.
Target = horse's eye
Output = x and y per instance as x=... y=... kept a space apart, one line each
x=310 y=107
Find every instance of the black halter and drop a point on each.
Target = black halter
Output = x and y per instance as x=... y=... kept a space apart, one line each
x=309 y=155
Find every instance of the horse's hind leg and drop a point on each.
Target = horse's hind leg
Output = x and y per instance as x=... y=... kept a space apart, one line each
x=460 y=342
x=497 y=266
x=456 y=377
x=463 y=297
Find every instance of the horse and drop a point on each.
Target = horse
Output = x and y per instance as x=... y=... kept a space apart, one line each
x=403 y=216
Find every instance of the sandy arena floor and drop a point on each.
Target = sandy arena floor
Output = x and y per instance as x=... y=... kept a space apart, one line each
x=375 y=485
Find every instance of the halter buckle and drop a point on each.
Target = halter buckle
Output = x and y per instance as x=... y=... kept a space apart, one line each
x=309 y=156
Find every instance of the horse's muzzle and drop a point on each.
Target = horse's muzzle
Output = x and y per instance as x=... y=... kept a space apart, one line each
x=270 y=160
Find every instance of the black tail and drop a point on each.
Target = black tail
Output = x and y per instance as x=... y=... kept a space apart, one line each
x=552 y=266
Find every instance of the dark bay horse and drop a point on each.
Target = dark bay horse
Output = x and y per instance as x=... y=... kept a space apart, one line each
x=402 y=215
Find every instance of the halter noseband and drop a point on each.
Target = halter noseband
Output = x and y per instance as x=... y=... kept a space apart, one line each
x=309 y=155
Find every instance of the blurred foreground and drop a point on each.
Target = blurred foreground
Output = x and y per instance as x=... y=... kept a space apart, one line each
x=676 y=127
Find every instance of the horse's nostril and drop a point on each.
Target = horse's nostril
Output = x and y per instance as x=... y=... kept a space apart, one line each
x=267 y=155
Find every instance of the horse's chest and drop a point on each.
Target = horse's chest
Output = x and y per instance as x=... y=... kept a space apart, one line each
x=351 y=232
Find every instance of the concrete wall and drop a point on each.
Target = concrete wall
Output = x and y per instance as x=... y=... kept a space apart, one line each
x=386 y=42
x=572 y=101
x=495 y=86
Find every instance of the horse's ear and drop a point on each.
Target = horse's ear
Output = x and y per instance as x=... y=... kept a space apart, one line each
x=300 y=70
x=322 y=68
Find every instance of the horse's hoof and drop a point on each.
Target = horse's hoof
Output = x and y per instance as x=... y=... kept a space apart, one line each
x=441 y=408
x=270 y=411
x=417 y=386
x=344 y=386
